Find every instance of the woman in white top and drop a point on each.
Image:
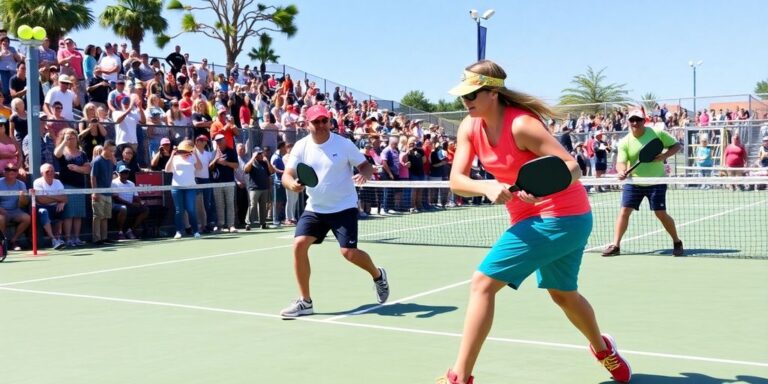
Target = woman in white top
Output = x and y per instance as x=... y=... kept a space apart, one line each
x=183 y=164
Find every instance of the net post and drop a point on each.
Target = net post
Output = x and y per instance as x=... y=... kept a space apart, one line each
x=33 y=204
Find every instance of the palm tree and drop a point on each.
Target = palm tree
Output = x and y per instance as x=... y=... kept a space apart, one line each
x=58 y=17
x=590 y=89
x=649 y=101
x=264 y=54
x=132 y=18
x=761 y=88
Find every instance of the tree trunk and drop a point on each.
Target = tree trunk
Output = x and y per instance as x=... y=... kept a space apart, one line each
x=231 y=56
x=136 y=45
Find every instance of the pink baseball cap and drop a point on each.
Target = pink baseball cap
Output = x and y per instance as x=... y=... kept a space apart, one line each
x=316 y=111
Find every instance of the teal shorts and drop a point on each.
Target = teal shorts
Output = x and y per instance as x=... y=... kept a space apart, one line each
x=551 y=247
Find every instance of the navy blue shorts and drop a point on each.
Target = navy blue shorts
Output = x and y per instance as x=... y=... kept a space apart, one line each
x=633 y=195
x=342 y=223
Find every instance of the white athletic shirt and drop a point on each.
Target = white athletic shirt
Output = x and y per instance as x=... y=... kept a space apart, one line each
x=333 y=162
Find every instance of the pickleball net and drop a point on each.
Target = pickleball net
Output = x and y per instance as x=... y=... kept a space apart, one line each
x=714 y=216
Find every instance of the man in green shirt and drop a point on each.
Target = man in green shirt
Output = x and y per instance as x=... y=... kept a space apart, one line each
x=634 y=193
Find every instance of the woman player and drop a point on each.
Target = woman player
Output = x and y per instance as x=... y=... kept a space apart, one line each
x=547 y=235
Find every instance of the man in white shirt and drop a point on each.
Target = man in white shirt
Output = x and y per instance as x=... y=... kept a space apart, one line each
x=110 y=63
x=50 y=206
x=206 y=209
x=127 y=204
x=128 y=120
x=332 y=204
x=64 y=95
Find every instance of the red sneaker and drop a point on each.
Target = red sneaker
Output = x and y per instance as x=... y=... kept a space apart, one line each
x=452 y=378
x=612 y=360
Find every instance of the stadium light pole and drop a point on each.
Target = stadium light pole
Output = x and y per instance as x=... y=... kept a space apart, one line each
x=33 y=39
x=693 y=66
x=480 y=38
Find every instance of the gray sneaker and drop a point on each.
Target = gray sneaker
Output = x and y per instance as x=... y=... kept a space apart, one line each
x=297 y=308
x=58 y=244
x=382 y=287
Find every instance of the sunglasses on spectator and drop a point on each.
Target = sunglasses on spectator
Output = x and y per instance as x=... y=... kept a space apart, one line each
x=324 y=120
x=472 y=96
x=635 y=119
x=11 y=170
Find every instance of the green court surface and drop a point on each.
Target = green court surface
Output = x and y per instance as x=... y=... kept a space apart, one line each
x=205 y=311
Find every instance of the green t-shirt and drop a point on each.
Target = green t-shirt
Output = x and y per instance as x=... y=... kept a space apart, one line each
x=629 y=151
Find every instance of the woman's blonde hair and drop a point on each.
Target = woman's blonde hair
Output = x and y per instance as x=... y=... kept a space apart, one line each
x=63 y=133
x=507 y=96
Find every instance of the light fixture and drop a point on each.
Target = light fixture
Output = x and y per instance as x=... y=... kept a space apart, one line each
x=487 y=15
x=473 y=14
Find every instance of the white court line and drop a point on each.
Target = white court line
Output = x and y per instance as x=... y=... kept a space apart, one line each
x=381 y=327
x=143 y=265
x=362 y=311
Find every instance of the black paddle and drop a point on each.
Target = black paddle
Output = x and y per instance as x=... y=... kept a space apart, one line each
x=648 y=153
x=307 y=175
x=543 y=176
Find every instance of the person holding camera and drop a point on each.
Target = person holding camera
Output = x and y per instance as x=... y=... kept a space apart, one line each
x=92 y=132
x=162 y=156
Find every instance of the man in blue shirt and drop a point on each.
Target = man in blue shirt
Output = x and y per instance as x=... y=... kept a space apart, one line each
x=278 y=191
x=102 y=168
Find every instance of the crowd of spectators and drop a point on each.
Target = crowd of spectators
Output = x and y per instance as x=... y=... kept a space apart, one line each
x=241 y=127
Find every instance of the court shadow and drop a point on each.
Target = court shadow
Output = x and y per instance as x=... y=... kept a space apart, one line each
x=690 y=378
x=398 y=310
x=31 y=258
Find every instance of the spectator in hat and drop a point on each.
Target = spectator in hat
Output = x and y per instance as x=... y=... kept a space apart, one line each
x=223 y=165
x=182 y=165
x=601 y=149
x=155 y=122
x=11 y=206
x=50 y=206
x=127 y=205
x=258 y=171
x=64 y=95
x=128 y=120
x=206 y=209
x=279 y=196
x=160 y=159
x=223 y=125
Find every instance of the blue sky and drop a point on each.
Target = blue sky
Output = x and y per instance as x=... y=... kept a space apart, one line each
x=387 y=48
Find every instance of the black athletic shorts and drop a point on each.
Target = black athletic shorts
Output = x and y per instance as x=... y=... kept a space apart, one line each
x=343 y=224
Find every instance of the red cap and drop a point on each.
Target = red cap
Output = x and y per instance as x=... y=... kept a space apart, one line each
x=317 y=111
